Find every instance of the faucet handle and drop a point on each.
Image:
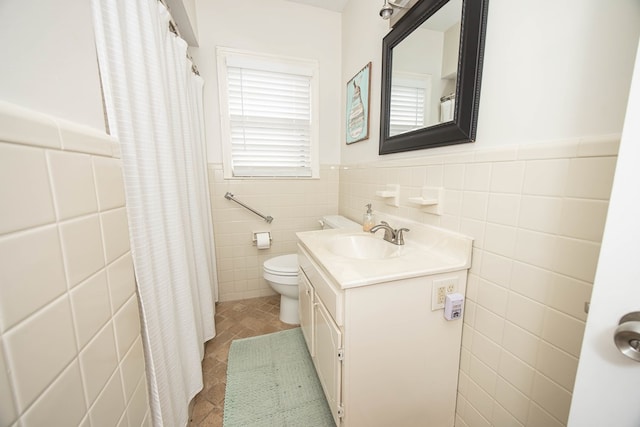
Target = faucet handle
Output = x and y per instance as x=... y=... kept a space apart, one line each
x=400 y=236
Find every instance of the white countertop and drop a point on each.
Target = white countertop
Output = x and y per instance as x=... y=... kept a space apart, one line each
x=441 y=252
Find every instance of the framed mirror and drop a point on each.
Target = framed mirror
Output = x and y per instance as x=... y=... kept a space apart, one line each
x=431 y=73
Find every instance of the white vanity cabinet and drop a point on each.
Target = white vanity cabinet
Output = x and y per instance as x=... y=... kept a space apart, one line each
x=384 y=358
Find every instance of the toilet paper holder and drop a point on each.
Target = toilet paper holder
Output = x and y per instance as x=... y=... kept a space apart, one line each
x=254 y=238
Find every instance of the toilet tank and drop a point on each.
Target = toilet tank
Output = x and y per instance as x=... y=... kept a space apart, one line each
x=338 y=221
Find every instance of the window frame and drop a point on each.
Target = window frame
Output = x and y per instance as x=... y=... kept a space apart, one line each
x=266 y=62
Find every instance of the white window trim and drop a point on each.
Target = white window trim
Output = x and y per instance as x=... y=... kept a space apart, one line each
x=275 y=63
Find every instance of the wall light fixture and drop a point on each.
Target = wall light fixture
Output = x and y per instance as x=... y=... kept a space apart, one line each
x=388 y=9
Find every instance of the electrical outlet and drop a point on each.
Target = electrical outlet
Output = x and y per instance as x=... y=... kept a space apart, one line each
x=441 y=288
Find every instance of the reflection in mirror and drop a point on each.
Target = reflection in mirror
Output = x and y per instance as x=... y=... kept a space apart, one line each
x=424 y=72
x=431 y=75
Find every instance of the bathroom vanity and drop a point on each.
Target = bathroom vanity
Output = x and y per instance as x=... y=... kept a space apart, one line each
x=383 y=356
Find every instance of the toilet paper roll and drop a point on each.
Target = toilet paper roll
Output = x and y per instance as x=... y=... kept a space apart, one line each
x=263 y=240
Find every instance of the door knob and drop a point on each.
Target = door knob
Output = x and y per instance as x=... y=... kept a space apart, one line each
x=627 y=335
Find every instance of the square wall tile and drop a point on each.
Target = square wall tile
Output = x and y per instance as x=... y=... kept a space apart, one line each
x=576 y=258
x=545 y=177
x=503 y=209
x=127 y=326
x=91 y=308
x=507 y=177
x=480 y=400
x=591 y=177
x=62 y=404
x=453 y=177
x=540 y=213
x=132 y=368
x=39 y=349
x=24 y=188
x=520 y=343
x=502 y=418
x=477 y=177
x=489 y=324
x=486 y=350
x=109 y=182
x=73 y=185
x=470 y=227
x=492 y=297
x=526 y=313
x=557 y=365
x=516 y=403
x=536 y=248
x=496 y=269
x=516 y=372
x=474 y=205
x=563 y=331
x=8 y=412
x=122 y=281
x=551 y=397
x=583 y=219
x=109 y=407
x=115 y=230
x=139 y=405
x=531 y=282
x=541 y=418
x=31 y=273
x=568 y=296
x=82 y=248
x=500 y=239
x=482 y=375
x=98 y=361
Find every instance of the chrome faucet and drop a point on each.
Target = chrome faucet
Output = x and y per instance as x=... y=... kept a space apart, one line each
x=390 y=235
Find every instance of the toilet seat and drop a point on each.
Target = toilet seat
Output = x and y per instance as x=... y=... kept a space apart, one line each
x=284 y=265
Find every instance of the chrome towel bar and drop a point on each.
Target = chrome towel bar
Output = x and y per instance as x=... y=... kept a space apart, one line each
x=267 y=218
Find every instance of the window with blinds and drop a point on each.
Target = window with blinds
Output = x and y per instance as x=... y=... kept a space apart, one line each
x=268 y=116
x=408 y=103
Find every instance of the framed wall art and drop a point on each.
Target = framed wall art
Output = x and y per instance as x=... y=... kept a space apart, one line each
x=357 y=112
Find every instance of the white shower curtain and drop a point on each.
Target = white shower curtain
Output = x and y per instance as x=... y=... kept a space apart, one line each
x=154 y=107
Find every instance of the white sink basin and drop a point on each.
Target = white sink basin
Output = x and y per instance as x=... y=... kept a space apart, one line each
x=363 y=246
x=355 y=259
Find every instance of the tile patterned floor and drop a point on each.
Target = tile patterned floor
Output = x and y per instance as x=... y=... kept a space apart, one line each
x=234 y=319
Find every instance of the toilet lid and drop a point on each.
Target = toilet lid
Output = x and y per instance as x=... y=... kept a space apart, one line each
x=286 y=265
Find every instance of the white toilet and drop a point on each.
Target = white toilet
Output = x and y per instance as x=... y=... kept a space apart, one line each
x=281 y=272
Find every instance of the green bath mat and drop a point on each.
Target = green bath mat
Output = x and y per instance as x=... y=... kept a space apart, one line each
x=271 y=381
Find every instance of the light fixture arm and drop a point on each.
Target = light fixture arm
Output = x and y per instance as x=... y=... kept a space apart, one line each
x=388 y=8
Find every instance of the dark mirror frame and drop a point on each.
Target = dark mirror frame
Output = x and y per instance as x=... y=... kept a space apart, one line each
x=463 y=127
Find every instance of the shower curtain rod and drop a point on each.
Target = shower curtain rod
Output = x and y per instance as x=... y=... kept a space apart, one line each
x=173 y=27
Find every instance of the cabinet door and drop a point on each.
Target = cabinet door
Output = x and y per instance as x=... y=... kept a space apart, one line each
x=305 y=308
x=328 y=344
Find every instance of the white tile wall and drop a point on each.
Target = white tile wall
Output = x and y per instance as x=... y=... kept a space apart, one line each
x=295 y=205
x=70 y=349
x=537 y=215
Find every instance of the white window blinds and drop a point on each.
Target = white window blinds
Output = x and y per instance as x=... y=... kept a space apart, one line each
x=408 y=103
x=270 y=119
x=407 y=109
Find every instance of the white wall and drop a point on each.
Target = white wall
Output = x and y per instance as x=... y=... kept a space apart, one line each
x=48 y=59
x=362 y=33
x=275 y=27
x=552 y=71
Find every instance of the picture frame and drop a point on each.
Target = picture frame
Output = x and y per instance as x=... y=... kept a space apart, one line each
x=358 y=103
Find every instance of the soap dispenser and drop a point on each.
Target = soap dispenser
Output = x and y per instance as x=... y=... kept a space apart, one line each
x=368 y=220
